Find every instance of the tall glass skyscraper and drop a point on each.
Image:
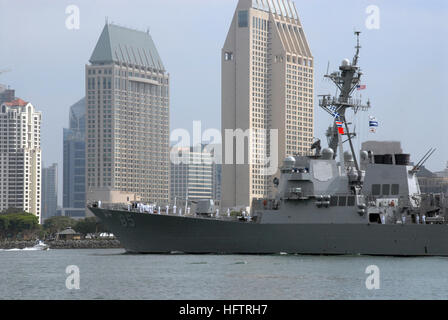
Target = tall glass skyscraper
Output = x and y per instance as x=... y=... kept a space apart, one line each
x=49 y=191
x=74 y=173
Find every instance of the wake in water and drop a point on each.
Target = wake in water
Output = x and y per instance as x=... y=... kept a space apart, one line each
x=24 y=249
x=40 y=246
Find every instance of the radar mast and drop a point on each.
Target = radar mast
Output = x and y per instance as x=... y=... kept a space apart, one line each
x=347 y=80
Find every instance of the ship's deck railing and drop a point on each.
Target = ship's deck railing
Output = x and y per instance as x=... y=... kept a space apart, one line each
x=145 y=210
x=329 y=101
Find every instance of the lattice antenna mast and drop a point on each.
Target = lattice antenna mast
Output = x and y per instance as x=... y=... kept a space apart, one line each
x=358 y=47
x=347 y=80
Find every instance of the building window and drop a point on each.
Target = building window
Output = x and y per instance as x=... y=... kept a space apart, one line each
x=243 y=19
x=228 y=56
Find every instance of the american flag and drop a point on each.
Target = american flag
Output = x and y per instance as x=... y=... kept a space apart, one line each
x=361 y=87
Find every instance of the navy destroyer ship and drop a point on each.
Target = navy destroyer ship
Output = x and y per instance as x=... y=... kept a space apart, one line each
x=333 y=202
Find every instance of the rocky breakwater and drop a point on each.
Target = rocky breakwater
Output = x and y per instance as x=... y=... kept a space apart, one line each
x=63 y=244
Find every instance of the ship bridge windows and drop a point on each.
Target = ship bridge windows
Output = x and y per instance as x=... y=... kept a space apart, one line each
x=385 y=189
x=342 y=201
x=351 y=201
x=376 y=189
x=395 y=189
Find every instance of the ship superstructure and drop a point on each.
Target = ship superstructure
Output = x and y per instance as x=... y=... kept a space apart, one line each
x=374 y=189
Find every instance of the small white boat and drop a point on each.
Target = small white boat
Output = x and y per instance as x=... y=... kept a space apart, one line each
x=41 y=246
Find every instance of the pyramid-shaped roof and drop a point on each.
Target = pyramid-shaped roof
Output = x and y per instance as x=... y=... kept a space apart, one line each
x=124 y=45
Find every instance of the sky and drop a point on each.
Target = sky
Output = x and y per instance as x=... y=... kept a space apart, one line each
x=404 y=61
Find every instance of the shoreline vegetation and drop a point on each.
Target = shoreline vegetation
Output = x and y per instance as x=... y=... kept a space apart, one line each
x=19 y=230
x=63 y=244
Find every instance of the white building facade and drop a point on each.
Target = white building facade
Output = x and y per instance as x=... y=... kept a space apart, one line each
x=20 y=157
x=193 y=177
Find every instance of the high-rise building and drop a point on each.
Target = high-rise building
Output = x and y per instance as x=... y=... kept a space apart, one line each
x=74 y=171
x=49 y=191
x=6 y=94
x=20 y=157
x=127 y=129
x=267 y=84
x=193 y=177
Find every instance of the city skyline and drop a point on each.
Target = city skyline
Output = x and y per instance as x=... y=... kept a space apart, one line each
x=402 y=63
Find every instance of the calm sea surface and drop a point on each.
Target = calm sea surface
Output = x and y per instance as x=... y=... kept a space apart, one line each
x=111 y=274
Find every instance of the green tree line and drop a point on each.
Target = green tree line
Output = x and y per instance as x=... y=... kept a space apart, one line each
x=17 y=224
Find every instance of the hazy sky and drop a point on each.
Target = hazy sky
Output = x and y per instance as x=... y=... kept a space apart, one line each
x=404 y=61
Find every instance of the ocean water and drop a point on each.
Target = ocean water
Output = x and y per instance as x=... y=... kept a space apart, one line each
x=112 y=274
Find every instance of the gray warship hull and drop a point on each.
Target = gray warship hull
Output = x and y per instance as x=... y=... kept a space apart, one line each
x=152 y=234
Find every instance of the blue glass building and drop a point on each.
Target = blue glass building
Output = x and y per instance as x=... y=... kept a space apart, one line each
x=74 y=190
